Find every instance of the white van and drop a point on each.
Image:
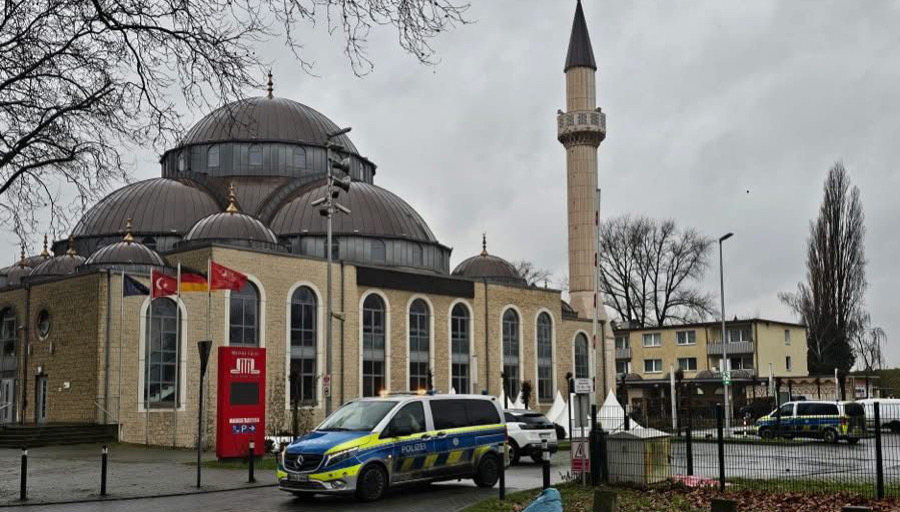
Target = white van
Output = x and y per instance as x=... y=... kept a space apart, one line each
x=888 y=412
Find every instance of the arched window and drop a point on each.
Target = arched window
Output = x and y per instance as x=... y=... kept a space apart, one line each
x=212 y=156
x=298 y=158
x=182 y=161
x=417 y=255
x=582 y=370
x=373 y=345
x=161 y=345
x=459 y=349
x=511 y=354
x=545 y=357
x=378 y=252
x=303 y=346
x=419 y=344
x=149 y=242
x=8 y=361
x=256 y=155
x=244 y=316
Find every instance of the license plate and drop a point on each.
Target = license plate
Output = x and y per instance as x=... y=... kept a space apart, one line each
x=298 y=478
x=545 y=436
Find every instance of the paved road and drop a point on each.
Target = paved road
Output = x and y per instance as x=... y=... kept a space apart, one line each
x=441 y=497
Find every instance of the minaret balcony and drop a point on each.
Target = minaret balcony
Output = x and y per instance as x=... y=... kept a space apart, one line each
x=581 y=126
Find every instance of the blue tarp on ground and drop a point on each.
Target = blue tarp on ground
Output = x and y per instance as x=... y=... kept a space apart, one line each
x=548 y=501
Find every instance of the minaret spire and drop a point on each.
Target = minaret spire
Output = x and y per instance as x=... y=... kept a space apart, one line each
x=581 y=53
x=484 y=244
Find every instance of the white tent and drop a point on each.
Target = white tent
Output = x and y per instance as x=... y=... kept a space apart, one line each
x=452 y=391
x=558 y=408
x=611 y=415
x=518 y=403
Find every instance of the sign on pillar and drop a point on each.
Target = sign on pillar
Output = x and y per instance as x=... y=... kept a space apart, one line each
x=326 y=385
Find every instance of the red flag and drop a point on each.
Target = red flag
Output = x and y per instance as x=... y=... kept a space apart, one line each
x=223 y=278
x=162 y=284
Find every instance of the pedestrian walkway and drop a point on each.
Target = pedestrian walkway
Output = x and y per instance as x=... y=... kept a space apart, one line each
x=72 y=473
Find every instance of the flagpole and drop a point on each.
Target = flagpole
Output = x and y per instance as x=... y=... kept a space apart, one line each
x=121 y=329
x=177 y=356
x=147 y=363
x=208 y=293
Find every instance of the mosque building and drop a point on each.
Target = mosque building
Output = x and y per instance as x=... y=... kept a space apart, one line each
x=242 y=189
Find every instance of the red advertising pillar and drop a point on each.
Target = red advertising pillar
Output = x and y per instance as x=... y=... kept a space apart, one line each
x=241 y=399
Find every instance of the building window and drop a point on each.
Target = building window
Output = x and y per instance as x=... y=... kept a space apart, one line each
x=686 y=337
x=43 y=324
x=378 y=253
x=298 y=158
x=787 y=336
x=687 y=364
x=651 y=339
x=622 y=341
x=373 y=345
x=623 y=367
x=161 y=384
x=303 y=346
x=419 y=344
x=459 y=347
x=787 y=363
x=741 y=363
x=256 y=155
x=244 y=316
x=212 y=157
x=335 y=249
x=149 y=242
x=582 y=367
x=417 y=255
x=739 y=334
x=8 y=360
x=545 y=357
x=511 y=354
x=182 y=161
x=652 y=365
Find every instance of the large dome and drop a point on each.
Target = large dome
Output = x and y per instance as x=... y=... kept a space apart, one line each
x=265 y=119
x=156 y=206
x=375 y=212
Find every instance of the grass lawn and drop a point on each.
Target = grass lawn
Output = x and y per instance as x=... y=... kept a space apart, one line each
x=577 y=498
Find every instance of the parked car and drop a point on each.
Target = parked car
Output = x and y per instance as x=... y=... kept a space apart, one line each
x=527 y=431
x=829 y=421
x=888 y=412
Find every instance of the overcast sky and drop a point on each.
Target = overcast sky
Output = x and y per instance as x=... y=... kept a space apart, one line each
x=724 y=115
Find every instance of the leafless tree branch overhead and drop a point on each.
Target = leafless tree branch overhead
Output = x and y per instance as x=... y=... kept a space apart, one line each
x=80 y=82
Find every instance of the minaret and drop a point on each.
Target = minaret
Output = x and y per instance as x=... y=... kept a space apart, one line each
x=581 y=129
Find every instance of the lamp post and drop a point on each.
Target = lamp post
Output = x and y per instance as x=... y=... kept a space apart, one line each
x=725 y=363
x=329 y=207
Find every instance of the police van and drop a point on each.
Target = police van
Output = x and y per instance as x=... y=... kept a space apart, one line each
x=829 y=421
x=372 y=444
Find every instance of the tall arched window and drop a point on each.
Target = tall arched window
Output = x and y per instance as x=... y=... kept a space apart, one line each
x=545 y=357
x=419 y=344
x=582 y=370
x=182 y=161
x=511 y=354
x=212 y=156
x=298 y=158
x=8 y=361
x=417 y=255
x=373 y=345
x=244 y=316
x=303 y=346
x=459 y=349
x=378 y=252
x=162 y=344
x=255 y=155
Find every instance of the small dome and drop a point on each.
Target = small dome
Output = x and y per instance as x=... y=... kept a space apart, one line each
x=265 y=119
x=59 y=265
x=487 y=266
x=231 y=226
x=374 y=212
x=156 y=206
x=126 y=253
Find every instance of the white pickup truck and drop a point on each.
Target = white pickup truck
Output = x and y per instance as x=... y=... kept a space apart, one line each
x=888 y=412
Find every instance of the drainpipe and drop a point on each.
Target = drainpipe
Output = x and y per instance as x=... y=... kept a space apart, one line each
x=25 y=338
x=343 y=322
x=487 y=344
x=106 y=346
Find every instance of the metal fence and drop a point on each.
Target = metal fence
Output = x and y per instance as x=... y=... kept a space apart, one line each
x=822 y=447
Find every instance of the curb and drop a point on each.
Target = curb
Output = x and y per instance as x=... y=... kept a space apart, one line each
x=98 y=499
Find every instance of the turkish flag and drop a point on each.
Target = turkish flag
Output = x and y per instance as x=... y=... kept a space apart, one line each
x=163 y=284
x=223 y=278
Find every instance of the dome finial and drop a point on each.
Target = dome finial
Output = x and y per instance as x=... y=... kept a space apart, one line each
x=45 y=253
x=269 y=89
x=22 y=262
x=232 y=207
x=128 y=238
x=484 y=244
x=71 y=251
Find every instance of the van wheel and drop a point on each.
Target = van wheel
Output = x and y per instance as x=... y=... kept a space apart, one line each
x=515 y=453
x=853 y=440
x=766 y=433
x=371 y=484
x=488 y=471
x=830 y=436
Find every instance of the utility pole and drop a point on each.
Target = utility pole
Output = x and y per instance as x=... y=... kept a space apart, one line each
x=726 y=377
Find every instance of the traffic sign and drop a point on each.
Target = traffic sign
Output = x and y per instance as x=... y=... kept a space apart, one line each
x=584 y=386
x=580 y=460
x=326 y=379
x=726 y=378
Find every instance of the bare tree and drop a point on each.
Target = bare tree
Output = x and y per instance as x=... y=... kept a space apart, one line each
x=532 y=274
x=831 y=301
x=866 y=343
x=82 y=82
x=649 y=271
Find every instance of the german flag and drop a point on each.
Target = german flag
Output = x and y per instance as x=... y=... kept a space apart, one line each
x=193 y=282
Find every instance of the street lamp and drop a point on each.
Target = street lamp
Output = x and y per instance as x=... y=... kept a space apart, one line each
x=726 y=365
x=329 y=208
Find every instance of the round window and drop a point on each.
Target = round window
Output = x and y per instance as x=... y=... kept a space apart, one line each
x=43 y=323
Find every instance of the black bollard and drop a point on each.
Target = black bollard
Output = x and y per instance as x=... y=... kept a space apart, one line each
x=252 y=448
x=545 y=462
x=23 y=483
x=503 y=472
x=103 y=460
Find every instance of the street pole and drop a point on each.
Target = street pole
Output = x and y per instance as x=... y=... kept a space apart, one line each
x=725 y=363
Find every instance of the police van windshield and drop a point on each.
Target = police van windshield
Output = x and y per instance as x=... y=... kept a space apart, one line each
x=362 y=415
